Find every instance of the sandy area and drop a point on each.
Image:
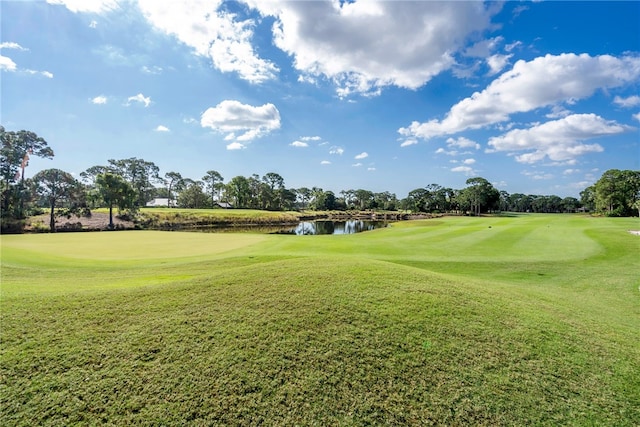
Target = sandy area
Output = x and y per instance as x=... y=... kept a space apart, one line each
x=97 y=221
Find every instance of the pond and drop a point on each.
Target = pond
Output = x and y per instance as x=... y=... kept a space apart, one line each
x=332 y=227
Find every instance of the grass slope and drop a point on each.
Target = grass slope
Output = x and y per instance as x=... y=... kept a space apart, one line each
x=532 y=320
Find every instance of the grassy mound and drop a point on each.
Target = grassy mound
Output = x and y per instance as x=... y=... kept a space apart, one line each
x=533 y=320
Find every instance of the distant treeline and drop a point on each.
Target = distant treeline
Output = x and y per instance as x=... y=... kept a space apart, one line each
x=129 y=184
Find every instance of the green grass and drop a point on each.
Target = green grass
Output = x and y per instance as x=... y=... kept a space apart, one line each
x=531 y=319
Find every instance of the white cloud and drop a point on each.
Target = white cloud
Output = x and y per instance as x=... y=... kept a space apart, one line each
x=636 y=116
x=629 y=102
x=101 y=99
x=7 y=64
x=544 y=81
x=325 y=162
x=93 y=24
x=91 y=6
x=570 y=171
x=154 y=69
x=212 y=32
x=537 y=175
x=299 y=144
x=161 y=128
x=139 y=98
x=371 y=169
x=11 y=45
x=484 y=48
x=362 y=155
x=235 y=146
x=231 y=116
x=559 y=140
x=366 y=45
x=462 y=142
x=357 y=165
x=448 y=153
x=46 y=74
x=408 y=142
x=336 y=150
x=464 y=169
x=469 y=161
x=558 y=111
x=311 y=138
x=509 y=47
x=497 y=62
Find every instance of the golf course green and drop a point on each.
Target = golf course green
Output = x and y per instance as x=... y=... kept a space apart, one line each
x=499 y=320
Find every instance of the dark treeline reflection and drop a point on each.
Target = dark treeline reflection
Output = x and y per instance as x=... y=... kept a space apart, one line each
x=333 y=227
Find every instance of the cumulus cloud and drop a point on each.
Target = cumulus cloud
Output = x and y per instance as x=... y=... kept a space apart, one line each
x=212 y=32
x=537 y=175
x=336 y=150
x=462 y=142
x=559 y=140
x=235 y=146
x=231 y=117
x=371 y=169
x=469 y=161
x=325 y=162
x=361 y=156
x=366 y=45
x=409 y=141
x=7 y=64
x=357 y=165
x=636 y=116
x=92 y=6
x=544 y=81
x=464 y=169
x=303 y=141
x=101 y=99
x=161 y=128
x=139 y=98
x=629 y=102
x=11 y=45
x=497 y=62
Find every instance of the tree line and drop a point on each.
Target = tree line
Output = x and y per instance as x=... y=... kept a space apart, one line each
x=129 y=184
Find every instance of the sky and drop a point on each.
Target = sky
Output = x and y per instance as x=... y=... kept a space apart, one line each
x=535 y=97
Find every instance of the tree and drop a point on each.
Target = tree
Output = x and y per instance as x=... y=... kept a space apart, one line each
x=193 y=196
x=480 y=195
x=16 y=149
x=238 y=191
x=58 y=187
x=213 y=180
x=305 y=194
x=172 y=180
x=115 y=191
x=570 y=204
x=617 y=191
x=273 y=194
x=364 y=198
x=416 y=200
x=588 y=198
x=140 y=174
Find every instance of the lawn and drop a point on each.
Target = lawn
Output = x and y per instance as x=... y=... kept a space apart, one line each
x=527 y=319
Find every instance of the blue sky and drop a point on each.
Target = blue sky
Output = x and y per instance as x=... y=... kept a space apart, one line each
x=536 y=97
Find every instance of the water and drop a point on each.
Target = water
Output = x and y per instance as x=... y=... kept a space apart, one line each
x=333 y=227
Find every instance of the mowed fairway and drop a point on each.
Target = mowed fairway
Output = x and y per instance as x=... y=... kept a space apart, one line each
x=528 y=319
